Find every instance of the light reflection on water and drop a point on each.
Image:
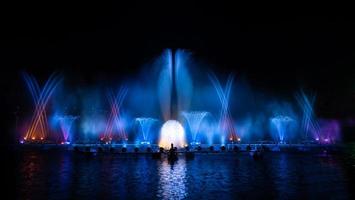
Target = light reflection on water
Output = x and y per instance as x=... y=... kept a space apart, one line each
x=172 y=182
x=66 y=175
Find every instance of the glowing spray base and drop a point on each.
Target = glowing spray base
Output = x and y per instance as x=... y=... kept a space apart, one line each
x=172 y=132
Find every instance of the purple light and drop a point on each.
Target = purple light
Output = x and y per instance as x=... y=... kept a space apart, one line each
x=330 y=131
x=66 y=123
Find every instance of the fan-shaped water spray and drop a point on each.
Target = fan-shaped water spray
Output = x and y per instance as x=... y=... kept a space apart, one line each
x=145 y=125
x=194 y=119
x=66 y=123
x=281 y=124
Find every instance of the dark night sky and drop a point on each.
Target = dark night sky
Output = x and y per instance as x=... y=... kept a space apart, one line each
x=276 y=51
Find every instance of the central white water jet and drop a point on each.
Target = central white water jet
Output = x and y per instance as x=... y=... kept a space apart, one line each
x=172 y=132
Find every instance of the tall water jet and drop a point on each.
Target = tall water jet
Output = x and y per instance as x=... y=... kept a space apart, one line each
x=145 y=125
x=173 y=104
x=174 y=89
x=183 y=81
x=38 y=128
x=174 y=84
x=309 y=123
x=194 y=120
x=115 y=118
x=226 y=125
x=281 y=123
x=66 y=123
x=165 y=84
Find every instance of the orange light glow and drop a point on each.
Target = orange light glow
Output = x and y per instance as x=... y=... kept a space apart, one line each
x=38 y=126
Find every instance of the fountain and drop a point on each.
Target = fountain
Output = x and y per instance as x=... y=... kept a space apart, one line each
x=66 y=123
x=38 y=128
x=174 y=92
x=172 y=132
x=329 y=131
x=209 y=131
x=281 y=124
x=114 y=119
x=145 y=125
x=225 y=121
x=169 y=99
x=194 y=119
x=309 y=121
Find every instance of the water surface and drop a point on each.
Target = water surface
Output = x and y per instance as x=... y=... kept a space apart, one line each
x=69 y=175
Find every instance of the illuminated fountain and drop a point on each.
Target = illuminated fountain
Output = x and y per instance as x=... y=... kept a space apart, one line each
x=309 y=122
x=226 y=125
x=145 y=125
x=321 y=131
x=281 y=123
x=174 y=92
x=208 y=127
x=114 y=120
x=38 y=127
x=194 y=120
x=172 y=132
x=66 y=123
x=329 y=131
